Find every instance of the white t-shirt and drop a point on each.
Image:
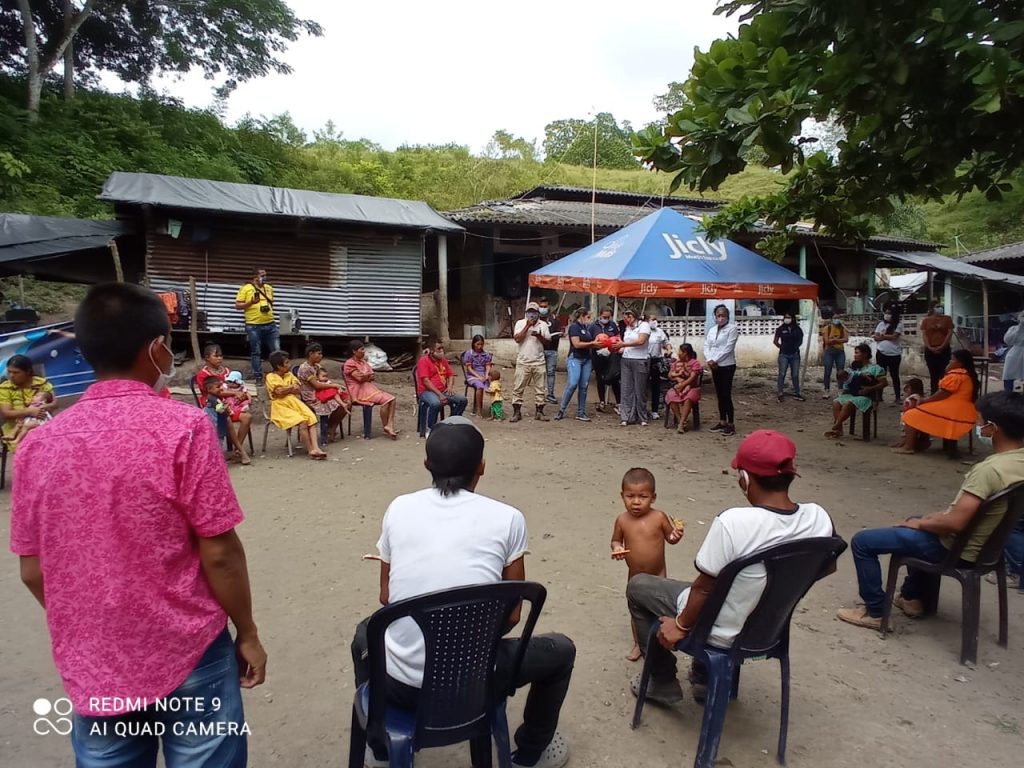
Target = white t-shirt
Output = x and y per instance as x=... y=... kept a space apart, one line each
x=656 y=342
x=742 y=531
x=531 y=351
x=437 y=542
x=889 y=347
x=634 y=334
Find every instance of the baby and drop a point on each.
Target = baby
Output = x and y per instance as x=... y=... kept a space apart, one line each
x=913 y=393
x=641 y=532
x=235 y=392
x=494 y=390
x=26 y=424
x=331 y=393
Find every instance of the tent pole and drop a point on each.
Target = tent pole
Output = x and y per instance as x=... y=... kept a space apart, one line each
x=686 y=322
x=561 y=301
x=615 y=310
x=984 y=311
x=118 y=271
x=812 y=326
x=643 y=307
x=528 y=294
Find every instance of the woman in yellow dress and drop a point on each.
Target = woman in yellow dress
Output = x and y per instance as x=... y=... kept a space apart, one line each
x=949 y=414
x=287 y=410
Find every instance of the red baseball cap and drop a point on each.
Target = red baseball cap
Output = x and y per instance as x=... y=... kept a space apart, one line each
x=766 y=453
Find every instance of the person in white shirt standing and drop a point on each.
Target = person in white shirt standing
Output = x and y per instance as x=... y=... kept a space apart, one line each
x=635 y=367
x=889 y=353
x=449 y=536
x=766 y=461
x=720 y=354
x=657 y=346
x=531 y=366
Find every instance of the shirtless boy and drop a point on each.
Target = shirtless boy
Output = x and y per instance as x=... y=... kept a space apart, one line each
x=641 y=532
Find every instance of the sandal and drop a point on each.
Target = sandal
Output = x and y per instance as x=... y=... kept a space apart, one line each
x=555 y=754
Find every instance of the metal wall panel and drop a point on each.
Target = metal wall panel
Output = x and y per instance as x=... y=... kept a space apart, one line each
x=346 y=286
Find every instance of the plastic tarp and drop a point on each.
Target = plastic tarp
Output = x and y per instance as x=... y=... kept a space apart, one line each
x=55 y=355
x=256 y=200
x=665 y=255
x=25 y=237
x=937 y=263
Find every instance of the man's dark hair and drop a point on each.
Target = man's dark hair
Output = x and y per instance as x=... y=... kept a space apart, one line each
x=864 y=349
x=314 y=346
x=1006 y=411
x=212 y=382
x=639 y=476
x=773 y=483
x=115 y=321
x=21 y=363
x=209 y=349
x=454 y=452
x=277 y=359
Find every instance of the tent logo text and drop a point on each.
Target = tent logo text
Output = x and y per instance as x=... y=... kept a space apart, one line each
x=698 y=248
x=609 y=249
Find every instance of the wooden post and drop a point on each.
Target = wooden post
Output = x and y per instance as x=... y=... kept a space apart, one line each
x=193 y=321
x=931 y=289
x=686 y=323
x=984 y=320
x=118 y=269
x=442 y=287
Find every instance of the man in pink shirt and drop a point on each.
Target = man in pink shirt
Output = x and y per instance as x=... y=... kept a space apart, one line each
x=434 y=381
x=126 y=538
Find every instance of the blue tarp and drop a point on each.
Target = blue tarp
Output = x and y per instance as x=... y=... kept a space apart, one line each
x=665 y=254
x=55 y=355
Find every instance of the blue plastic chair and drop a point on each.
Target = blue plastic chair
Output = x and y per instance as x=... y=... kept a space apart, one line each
x=461 y=699
x=792 y=569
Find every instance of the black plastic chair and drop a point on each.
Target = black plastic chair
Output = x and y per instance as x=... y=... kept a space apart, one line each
x=195 y=396
x=792 y=569
x=990 y=558
x=460 y=700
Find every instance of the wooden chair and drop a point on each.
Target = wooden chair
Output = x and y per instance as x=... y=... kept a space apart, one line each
x=869 y=426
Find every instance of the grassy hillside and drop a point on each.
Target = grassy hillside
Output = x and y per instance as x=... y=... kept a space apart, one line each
x=58 y=166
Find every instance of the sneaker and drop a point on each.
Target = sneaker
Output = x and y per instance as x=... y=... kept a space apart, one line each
x=551 y=399
x=559 y=416
x=800 y=398
x=729 y=429
x=1012 y=580
x=655 y=415
x=601 y=407
x=643 y=423
x=717 y=428
x=582 y=417
x=778 y=399
x=827 y=395
x=617 y=411
x=859 y=617
x=913 y=609
x=666 y=692
x=555 y=755
x=623 y=423
x=369 y=761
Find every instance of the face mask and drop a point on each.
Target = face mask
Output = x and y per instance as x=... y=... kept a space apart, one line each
x=654 y=323
x=543 y=311
x=887 y=317
x=606 y=320
x=837 y=321
x=164 y=378
x=787 y=320
x=983 y=439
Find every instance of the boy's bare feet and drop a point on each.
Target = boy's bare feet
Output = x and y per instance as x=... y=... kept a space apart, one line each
x=635 y=654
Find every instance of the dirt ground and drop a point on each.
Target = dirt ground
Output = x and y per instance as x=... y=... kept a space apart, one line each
x=858 y=700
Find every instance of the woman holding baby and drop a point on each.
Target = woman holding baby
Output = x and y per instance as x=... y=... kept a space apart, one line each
x=859 y=383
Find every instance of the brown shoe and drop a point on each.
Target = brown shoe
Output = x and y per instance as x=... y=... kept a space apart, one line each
x=859 y=617
x=914 y=609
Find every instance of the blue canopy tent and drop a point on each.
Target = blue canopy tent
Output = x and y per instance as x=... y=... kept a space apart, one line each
x=665 y=255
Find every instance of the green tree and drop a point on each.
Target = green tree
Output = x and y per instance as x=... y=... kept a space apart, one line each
x=929 y=95
x=504 y=146
x=572 y=141
x=136 y=39
x=672 y=100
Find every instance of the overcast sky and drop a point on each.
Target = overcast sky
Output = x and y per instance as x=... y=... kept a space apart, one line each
x=456 y=71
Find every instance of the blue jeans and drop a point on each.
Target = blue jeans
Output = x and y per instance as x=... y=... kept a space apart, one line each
x=579 y=379
x=432 y=404
x=791 y=363
x=867 y=545
x=550 y=363
x=1015 y=552
x=263 y=339
x=833 y=358
x=209 y=698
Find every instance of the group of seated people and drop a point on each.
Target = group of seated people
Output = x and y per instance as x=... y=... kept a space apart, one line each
x=947 y=415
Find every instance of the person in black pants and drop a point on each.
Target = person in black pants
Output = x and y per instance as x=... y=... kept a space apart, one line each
x=888 y=354
x=720 y=353
x=607 y=368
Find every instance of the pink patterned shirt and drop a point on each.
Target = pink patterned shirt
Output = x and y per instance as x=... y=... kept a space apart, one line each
x=111 y=495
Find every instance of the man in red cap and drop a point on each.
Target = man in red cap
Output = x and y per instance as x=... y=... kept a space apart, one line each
x=766 y=464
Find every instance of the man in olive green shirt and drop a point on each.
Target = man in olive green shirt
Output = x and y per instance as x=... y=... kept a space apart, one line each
x=1001 y=422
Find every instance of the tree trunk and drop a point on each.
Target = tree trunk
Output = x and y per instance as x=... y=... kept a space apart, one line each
x=69 y=55
x=35 y=83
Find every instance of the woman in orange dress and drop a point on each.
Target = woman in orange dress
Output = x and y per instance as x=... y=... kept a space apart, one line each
x=362 y=387
x=949 y=414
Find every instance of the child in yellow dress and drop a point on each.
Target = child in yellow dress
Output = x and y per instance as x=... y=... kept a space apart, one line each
x=287 y=410
x=494 y=390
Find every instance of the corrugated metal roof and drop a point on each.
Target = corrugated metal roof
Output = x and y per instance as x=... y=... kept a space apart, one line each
x=1001 y=253
x=938 y=263
x=614 y=196
x=257 y=200
x=558 y=213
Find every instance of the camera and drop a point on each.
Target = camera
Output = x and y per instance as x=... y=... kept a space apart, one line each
x=264 y=308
